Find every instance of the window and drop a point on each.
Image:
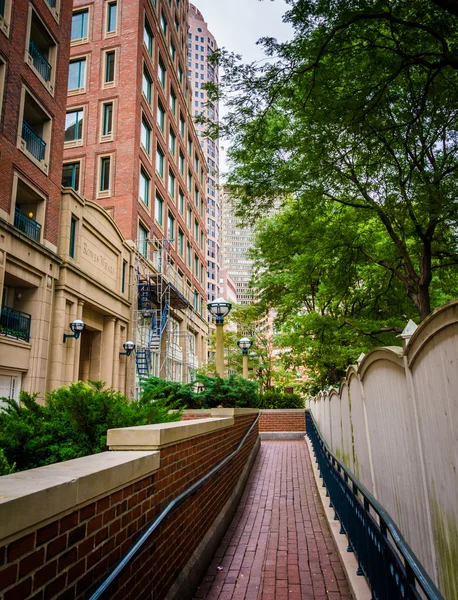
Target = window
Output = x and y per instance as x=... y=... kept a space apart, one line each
x=190 y=147
x=196 y=163
x=111 y=17
x=163 y=24
x=160 y=162
x=77 y=75
x=196 y=230
x=42 y=50
x=142 y=242
x=189 y=217
x=171 y=228
x=159 y=210
x=182 y=125
x=71 y=175
x=107 y=119
x=180 y=242
x=181 y=163
x=80 y=20
x=188 y=255
x=172 y=181
x=146 y=135
x=180 y=74
x=161 y=72
x=181 y=201
x=148 y=38
x=196 y=197
x=2 y=83
x=105 y=174
x=71 y=249
x=189 y=180
x=160 y=116
x=172 y=142
x=110 y=61
x=172 y=50
x=74 y=121
x=35 y=128
x=146 y=85
x=123 y=276
x=173 y=102
x=5 y=16
x=144 y=188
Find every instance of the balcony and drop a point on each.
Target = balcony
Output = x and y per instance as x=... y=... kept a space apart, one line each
x=15 y=323
x=33 y=142
x=27 y=225
x=39 y=61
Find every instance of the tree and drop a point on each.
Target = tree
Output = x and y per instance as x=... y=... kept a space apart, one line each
x=357 y=115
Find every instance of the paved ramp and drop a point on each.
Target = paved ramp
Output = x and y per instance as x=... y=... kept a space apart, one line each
x=278 y=546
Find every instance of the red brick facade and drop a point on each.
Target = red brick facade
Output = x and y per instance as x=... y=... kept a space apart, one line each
x=16 y=75
x=72 y=555
x=130 y=106
x=278 y=420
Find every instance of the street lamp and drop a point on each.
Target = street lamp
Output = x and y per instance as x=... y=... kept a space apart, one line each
x=245 y=344
x=219 y=309
x=129 y=347
x=77 y=327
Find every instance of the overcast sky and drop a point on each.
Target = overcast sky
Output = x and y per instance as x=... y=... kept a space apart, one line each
x=238 y=24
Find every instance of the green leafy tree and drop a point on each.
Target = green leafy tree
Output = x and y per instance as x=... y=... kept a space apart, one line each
x=356 y=118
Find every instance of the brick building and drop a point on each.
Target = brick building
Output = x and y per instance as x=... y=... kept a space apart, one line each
x=130 y=146
x=34 y=54
x=201 y=45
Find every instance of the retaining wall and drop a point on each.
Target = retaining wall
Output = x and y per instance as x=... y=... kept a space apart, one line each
x=64 y=527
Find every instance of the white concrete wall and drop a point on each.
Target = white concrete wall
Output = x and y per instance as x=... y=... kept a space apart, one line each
x=394 y=423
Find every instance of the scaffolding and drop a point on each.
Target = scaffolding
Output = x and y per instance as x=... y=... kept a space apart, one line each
x=161 y=348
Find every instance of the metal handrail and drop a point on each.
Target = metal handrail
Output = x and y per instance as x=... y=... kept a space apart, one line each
x=27 y=225
x=15 y=323
x=379 y=560
x=173 y=505
x=33 y=142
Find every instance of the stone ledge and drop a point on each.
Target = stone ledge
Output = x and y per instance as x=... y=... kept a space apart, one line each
x=154 y=437
x=282 y=435
x=30 y=497
x=222 y=412
x=281 y=411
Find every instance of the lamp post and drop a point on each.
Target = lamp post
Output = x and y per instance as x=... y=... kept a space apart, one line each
x=219 y=309
x=245 y=344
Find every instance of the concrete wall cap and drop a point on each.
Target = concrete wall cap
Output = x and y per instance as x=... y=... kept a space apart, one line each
x=279 y=411
x=146 y=437
x=31 y=497
x=222 y=412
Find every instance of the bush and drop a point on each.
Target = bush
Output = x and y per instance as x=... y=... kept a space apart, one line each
x=272 y=399
x=230 y=392
x=73 y=423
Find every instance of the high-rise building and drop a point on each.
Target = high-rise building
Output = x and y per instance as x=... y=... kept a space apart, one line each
x=34 y=54
x=201 y=45
x=131 y=146
x=237 y=239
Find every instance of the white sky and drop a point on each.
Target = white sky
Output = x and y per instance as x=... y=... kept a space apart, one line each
x=238 y=24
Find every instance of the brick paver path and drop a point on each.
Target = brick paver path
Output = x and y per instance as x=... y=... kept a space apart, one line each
x=278 y=546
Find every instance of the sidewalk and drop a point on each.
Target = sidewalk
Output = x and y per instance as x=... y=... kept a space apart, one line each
x=278 y=546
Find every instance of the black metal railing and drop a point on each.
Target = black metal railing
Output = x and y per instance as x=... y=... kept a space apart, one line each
x=15 y=323
x=39 y=61
x=33 y=142
x=392 y=570
x=165 y=514
x=27 y=225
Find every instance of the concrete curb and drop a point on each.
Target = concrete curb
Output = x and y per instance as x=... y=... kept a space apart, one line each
x=358 y=585
x=192 y=574
x=281 y=435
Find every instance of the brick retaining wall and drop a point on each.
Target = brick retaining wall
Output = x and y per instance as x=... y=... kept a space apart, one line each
x=72 y=553
x=282 y=420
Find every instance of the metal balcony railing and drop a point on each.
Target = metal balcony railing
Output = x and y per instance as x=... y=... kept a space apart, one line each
x=29 y=226
x=15 y=323
x=33 y=142
x=391 y=569
x=39 y=61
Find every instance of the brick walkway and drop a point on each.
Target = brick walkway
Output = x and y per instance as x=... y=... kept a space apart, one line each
x=278 y=546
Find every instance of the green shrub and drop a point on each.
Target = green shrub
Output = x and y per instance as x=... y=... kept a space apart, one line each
x=230 y=392
x=72 y=423
x=273 y=399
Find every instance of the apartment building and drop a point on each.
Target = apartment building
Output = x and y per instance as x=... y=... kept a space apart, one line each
x=200 y=45
x=131 y=147
x=34 y=55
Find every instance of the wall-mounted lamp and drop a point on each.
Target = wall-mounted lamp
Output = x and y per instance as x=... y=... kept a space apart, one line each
x=77 y=327
x=129 y=347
